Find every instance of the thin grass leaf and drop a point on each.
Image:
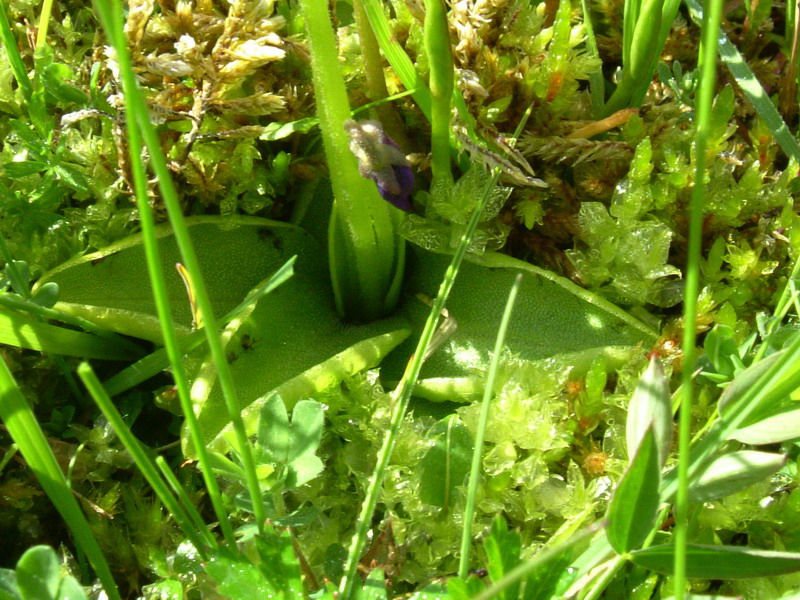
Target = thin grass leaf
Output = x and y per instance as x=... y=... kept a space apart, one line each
x=201 y=539
x=480 y=436
x=139 y=117
x=597 y=83
x=396 y=56
x=703 y=115
x=26 y=432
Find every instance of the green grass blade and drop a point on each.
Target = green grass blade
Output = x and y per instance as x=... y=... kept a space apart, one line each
x=705 y=97
x=18 y=417
x=199 y=536
x=488 y=393
x=597 y=83
x=139 y=117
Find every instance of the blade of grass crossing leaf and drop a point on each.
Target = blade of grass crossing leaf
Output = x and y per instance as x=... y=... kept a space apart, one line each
x=480 y=435
x=138 y=116
x=708 y=50
x=154 y=363
x=197 y=525
x=18 y=417
x=201 y=539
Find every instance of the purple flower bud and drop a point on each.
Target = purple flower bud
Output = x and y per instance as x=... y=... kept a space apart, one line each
x=382 y=161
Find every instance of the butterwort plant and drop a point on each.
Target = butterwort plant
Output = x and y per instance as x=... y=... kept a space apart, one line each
x=366 y=254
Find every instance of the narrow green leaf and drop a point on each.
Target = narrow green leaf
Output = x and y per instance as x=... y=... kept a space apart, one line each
x=26 y=432
x=634 y=506
x=733 y=472
x=445 y=466
x=720 y=562
x=23 y=168
x=778 y=428
x=650 y=406
x=9 y=44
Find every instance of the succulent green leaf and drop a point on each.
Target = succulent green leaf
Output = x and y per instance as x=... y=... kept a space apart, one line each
x=633 y=508
x=553 y=316
x=734 y=472
x=650 y=407
x=719 y=562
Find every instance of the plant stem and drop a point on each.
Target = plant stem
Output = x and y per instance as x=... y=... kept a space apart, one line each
x=708 y=63
x=440 y=58
x=364 y=250
x=376 y=81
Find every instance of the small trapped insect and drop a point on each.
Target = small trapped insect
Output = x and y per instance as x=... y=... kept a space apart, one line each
x=382 y=161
